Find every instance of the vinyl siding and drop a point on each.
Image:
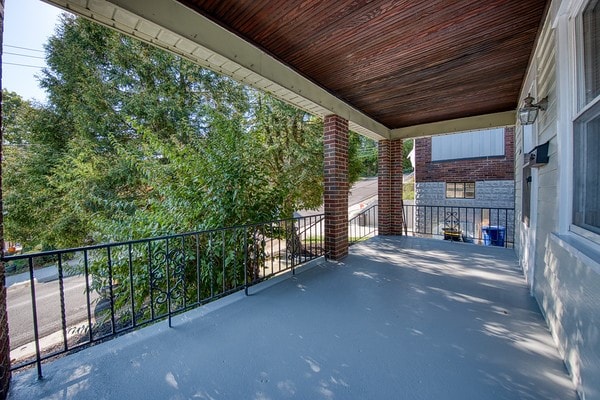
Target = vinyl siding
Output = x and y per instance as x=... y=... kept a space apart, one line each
x=566 y=284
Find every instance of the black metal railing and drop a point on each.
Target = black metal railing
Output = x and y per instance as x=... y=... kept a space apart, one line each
x=363 y=225
x=479 y=225
x=101 y=291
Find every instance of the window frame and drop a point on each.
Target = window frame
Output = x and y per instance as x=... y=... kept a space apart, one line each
x=580 y=128
x=464 y=190
x=585 y=112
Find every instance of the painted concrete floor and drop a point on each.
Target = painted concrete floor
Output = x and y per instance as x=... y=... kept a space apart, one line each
x=400 y=318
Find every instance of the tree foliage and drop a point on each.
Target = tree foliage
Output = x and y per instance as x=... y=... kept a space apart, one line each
x=136 y=142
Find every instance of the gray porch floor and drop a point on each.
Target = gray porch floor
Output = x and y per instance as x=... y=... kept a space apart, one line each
x=399 y=318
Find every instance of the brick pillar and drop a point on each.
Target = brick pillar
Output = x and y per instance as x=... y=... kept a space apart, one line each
x=389 y=187
x=336 y=186
x=4 y=344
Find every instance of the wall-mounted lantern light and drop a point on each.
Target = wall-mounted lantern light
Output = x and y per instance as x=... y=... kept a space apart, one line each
x=529 y=112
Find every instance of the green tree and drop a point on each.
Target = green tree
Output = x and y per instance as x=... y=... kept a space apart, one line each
x=407 y=145
x=136 y=142
x=33 y=147
x=290 y=153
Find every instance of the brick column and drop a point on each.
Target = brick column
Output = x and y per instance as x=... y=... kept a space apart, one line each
x=389 y=187
x=4 y=344
x=335 y=143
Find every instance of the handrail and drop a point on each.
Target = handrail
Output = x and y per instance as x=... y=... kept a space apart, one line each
x=363 y=225
x=480 y=225
x=5 y=258
x=130 y=284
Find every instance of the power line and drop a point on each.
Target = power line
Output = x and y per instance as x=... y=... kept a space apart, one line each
x=22 y=65
x=24 y=55
x=23 y=48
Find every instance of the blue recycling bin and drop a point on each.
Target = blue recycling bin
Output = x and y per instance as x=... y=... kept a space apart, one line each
x=493 y=235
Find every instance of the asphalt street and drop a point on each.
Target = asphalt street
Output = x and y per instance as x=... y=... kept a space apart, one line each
x=362 y=191
x=20 y=317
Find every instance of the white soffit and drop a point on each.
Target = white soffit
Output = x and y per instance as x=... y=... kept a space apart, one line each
x=174 y=27
x=486 y=121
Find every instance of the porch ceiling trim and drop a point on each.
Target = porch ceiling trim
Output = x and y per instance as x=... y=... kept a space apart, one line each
x=494 y=120
x=174 y=27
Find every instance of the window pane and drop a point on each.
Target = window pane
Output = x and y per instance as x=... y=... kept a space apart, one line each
x=460 y=191
x=586 y=196
x=450 y=190
x=591 y=50
x=470 y=190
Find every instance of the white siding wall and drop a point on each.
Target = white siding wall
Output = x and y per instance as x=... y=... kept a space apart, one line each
x=485 y=143
x=566 y=278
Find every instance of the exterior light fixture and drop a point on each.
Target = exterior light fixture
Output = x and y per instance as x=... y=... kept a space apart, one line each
x=529 y=112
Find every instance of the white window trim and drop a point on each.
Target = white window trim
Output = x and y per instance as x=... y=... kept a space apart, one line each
x=569 y=105
x=566 y=70
x=591 y=237
x=586 y=253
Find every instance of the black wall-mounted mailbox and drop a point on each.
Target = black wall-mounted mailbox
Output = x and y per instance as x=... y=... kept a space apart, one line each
x=539 y=155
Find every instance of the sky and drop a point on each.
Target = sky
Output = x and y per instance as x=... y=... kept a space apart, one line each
x=27 y=26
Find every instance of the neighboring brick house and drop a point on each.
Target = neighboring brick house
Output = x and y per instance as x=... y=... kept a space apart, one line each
x=468 y=169
x=465 y=181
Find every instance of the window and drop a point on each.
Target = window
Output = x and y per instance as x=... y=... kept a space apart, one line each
x=586 y=170
x=478 y=144
x=591 y=52
x=460 y=190
x=586 y=130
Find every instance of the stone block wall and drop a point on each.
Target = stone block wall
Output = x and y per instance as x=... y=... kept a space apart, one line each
x=489 y=195
x=494 y=194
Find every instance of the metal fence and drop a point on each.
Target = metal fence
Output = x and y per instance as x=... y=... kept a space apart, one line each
x=105 y=290
x=478 y=225
x=363 y=225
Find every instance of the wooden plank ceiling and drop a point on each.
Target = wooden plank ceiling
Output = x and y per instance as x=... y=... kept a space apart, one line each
x=402 y=62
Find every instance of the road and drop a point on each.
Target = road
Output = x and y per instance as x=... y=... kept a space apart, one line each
x=20 y=319
x=364 y=189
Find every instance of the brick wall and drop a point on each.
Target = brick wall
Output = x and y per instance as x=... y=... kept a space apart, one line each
x=335 y=144
x=390 y=187
x=4 y=341
x=466 y=170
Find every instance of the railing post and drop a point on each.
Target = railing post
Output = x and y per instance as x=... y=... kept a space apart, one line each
x=111 y=290
x=36 y=334
x=86 y=270
x=167 y=268
x=61 y=294
x=246 y=260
